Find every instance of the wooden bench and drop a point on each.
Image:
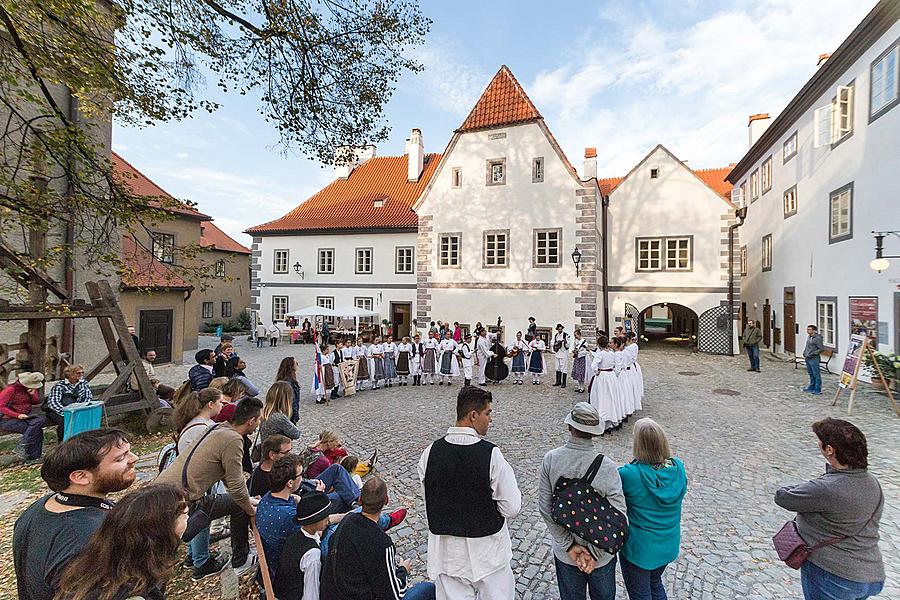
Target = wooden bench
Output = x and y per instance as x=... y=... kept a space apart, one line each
x=824 y=360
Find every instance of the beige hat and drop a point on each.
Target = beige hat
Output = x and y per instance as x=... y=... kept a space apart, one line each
x=31 y=380
x=584 y=417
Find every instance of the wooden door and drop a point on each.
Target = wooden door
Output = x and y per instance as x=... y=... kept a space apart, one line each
x=790 y=320
x=400 y=318
x=767 y=324
x=156 y=333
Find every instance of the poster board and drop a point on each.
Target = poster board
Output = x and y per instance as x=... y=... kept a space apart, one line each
x=628 y=324
x=348 y=369
x=859 y=346
x=852 y=360
x=864 y=316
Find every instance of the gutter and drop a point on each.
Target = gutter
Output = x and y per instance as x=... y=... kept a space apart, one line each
x=741 y=214
x=604 y=201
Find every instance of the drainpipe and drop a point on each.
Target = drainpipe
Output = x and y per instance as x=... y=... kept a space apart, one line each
x=604 y=215
x=741 y=214
x=68 y=326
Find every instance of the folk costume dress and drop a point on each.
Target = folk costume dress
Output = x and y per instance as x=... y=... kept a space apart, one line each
x=449 y=363
x=404 y=352
x=639 y=377
x=518 y=361
x=376 y=353
x=429 y=364
x=579 y=365
x=536 y=359
x=362 y=370
x=632 y=378
x=626 y=391
x=605 y=387
x=390 y=361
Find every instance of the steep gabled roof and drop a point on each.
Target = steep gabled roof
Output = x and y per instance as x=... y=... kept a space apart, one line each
x=142 y=270
x=141 y=185
x=503 y=102
x=351 y=203
x=215 y=239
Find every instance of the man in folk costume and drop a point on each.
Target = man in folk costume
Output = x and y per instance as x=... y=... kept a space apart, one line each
x=579 y=363
x=430 y=358
x=449 y=364
x=404 y=358
x=415 y=360
x=337 y=357
x=519 y=350
x=484 y=353
x=536 y=359
x=561 y=350
x=470 y=492
x=467 y=357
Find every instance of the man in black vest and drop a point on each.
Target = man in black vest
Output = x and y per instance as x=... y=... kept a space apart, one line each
x=470 y=491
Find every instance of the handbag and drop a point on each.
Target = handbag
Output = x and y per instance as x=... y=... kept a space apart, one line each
x=198 y=514
x=587 y=514
x=794 y=551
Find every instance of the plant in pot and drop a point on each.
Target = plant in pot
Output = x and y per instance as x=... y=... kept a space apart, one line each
x=888 y=363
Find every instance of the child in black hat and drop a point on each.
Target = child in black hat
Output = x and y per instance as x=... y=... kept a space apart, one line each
x=301 y=560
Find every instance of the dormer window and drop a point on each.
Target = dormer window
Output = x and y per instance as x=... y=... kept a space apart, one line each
x=378 y=202
x=654 y=173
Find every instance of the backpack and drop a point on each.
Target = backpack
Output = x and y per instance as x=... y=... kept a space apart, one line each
x=169 y=452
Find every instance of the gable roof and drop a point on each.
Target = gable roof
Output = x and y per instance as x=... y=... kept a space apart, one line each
x=350 y=203
x=142 y=270
x=503 y=102
x=215 y=239
x=141 y=185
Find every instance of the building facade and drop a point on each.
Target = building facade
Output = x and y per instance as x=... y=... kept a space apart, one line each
x=817 y=180
x=225 y=295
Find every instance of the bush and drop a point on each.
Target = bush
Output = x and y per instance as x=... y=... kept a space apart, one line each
x=241 y=323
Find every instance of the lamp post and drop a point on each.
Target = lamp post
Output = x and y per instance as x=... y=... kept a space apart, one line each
x=881 y=262
x=576 y=258
x=297 y=267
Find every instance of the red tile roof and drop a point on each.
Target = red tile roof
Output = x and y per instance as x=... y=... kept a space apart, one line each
x=216 y=239
x=142 y=270
x=503 y=102
x=714 y=178
x=141 y=185
x=349 y=203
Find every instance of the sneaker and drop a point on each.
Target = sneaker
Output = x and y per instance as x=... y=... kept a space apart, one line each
x=221 y=534
x=212 y=566
x=396 y=517
x=373 y=459
x=249 y=563
x=189 y=562
x=34 y=461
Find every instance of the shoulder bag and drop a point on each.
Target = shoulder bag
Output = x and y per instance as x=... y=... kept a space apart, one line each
x=198 y=516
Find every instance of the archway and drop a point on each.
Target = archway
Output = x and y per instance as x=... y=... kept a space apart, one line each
x=667 y=324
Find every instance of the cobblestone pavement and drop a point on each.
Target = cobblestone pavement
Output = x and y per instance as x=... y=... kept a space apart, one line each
x=737 y=450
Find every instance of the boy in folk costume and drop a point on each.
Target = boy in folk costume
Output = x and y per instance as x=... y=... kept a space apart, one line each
x=415 y=360
x=390 y=361
x=579 y=364
x=519 y=351
x=430 y=358
x=467 y=356
x=337 y=357
x=449 y=365
x=376 y=355
x=362 y=368
x=484 y=353
x=536 y=359
x=404 y=358
x=561 y=350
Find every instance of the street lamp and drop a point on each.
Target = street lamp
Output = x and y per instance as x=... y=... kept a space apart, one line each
x=297 y=267
x=881 y=262
x=576 y=258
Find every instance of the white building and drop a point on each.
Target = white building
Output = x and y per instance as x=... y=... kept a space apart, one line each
x=817 y=180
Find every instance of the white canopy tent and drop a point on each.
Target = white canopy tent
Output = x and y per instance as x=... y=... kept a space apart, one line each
x=355 y=313
x=313 y=311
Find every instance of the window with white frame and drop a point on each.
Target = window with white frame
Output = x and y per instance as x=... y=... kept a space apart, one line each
x=403 y=259
x=163 y=247
x=496 y=171
x=826 y=313
x=326 y=261
x=363 y=261
x=744 y=261
x=834 y=122
x=767 y=252
x=537 y=170
x=226 y=309
x=281 y=262
x=496 y=248
x=279 y=307
x=547 y=248
x=365 y=303
x=326 y=302
x=456 y=177
x=766 y=175
x=841 y=214
x=678 y=254
x=883 y=87
x=664 y=254
x=754 y=186
x=744 y=198
x=789 y=149
x=207 y=310
x=220 y=268
x=790 y=201
x=450 y=250
x=649 y=254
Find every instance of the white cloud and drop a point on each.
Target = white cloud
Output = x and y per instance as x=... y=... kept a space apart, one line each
x=447 y=81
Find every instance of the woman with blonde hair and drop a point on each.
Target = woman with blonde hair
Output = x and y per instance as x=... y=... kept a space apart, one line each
x=276 y=413
x=654 y=484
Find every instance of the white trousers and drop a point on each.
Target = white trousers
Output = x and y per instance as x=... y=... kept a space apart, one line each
x=561 y=363
x=500 y=585
x=482 y=365
x=467 y=369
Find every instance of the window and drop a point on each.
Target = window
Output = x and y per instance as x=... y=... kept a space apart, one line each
x=364 y=303
x=767 y=252
x=450 y=250
x=546 y=248
x=163 y=247
x=790 y=201
x=789 y=150
x=281 y=262
x=496 y=249
x=841 y=210
x=220 y=268
x=326 y=261
x=363 y=261
x=833 y=123
x=744 y=197
x=678 y=254
x=767 y=175
x=537 y=170
x=207 y=310
x=226 y=309
x=744 y=261
x=404 y=259
x=496 y=171
x=378 y=203
x=456 y=178
x=649 y=254
x=885 y=73
x=826 y=317
x=326 y=302
x=754 y=186
x=654 y=173
x=279 y=307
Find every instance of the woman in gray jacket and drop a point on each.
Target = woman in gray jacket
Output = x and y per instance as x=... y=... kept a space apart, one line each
x=843 y=505
x=276 y=413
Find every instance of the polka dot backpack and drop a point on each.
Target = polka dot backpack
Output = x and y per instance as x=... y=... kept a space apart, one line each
x=585 y=513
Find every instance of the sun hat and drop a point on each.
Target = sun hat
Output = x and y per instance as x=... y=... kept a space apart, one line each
x=584 y=417
x=312 y=508
x=31 y=380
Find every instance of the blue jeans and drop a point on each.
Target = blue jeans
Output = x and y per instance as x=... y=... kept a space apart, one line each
x=753 y=353
x=32 y=430
x=341 y=489
x=815 y=375
x=574 y=585
x=420 y=591
x=641 y=583
x=819 y=584
x=218 y=506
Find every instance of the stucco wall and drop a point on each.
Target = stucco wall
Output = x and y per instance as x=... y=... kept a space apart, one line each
x=133 y=303
x=218 y=290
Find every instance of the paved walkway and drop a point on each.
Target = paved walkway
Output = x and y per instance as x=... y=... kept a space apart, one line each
x=737 y=450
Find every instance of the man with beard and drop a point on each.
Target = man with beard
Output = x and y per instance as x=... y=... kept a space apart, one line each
x=81 y=472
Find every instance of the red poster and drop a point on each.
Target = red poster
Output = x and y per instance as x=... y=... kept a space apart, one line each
x=864 y=315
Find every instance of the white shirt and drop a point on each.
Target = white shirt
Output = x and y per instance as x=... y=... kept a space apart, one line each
x=404 y=348
x=521 y=345
x=359 y=351
x=432 y=344
x=390 y=349
x=465 y=351
x=581 y=347
x=311 y=565
x=483 y=344
x=474 y=559
x=376 y=349
x=274 y=331
x=537 y=344
x=348 y=352
x=563 y=350
x=448 y=345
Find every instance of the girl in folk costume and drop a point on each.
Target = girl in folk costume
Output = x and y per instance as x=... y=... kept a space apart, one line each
x=536 y=360
x=404 y=357
x=429 y=359
x=337 y=357
x=324 y=375
x=362 y=369
x=415 y=360
x=579 y=365
x=449 y=362
x=631 y=346
x=467 y=357
x=605 y=384
x=626 y=390
x=390 y=361
x=376 y=355
x=519 y=350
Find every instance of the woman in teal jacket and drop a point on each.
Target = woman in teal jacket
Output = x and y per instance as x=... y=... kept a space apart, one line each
x=654 y=484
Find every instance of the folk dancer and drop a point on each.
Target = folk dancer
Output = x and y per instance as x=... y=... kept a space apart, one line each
x=536 y=359
x=376 y=354
x=337 y=357
x=532 y=330
x=404 y=354
x=362 y=368
x=519 y=349
x=484 y=353
x=415 y=360
x=579 y=364
x=632 y=346
x=430 y=357
x=605 y=385
x=626 y=391
x=449 y=361
x=561 y=350
x=467 y=357
x=327 y=376
x=390 y=361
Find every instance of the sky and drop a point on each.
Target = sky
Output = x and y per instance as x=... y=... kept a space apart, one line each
x=620 y=75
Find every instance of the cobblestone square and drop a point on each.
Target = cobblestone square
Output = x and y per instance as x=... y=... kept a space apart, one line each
x=737 y=449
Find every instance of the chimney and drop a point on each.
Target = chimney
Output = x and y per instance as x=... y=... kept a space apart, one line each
x=347 y=158
x=590 y=164
x=415 y=151
x=823 y=58
x=757 y=125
